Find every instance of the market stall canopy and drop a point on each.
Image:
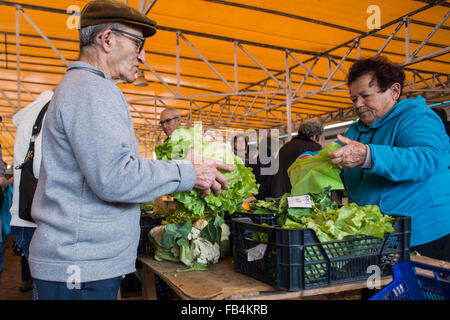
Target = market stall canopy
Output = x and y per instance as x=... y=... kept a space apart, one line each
x=247 y=64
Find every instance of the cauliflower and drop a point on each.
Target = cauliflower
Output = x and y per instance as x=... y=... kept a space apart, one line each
x=225 y=232
x=204 y=251
x=194 y=234
x=156 y=233
x=161 y=254
x=200 y=224
x=183 y=243
x=175 y=250
x=224 y=240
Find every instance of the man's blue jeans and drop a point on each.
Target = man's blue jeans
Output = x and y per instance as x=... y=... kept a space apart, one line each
x=94 y=290
x=22 y=236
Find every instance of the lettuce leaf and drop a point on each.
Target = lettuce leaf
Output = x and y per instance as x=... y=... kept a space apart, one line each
x=241 y=181
x=347 y=222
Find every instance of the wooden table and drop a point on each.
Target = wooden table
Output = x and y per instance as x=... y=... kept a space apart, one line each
x=222 y=282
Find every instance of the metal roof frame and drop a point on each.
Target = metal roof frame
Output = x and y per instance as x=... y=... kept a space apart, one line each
x=274 y=100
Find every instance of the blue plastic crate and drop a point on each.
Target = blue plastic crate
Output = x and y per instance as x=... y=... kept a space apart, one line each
x=411 y=283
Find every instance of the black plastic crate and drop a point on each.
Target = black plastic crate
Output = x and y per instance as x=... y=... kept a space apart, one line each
x=146 y=223
x=258 y=218
x=295 y=259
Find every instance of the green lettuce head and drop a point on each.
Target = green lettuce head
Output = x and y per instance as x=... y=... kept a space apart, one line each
x=241 y=181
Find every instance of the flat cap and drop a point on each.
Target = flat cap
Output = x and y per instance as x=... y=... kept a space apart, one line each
x=109 y=11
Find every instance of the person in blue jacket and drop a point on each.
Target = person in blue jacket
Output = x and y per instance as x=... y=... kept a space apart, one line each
x=397 y=155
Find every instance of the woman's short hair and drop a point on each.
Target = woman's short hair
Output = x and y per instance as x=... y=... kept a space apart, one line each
x=384 y=72
x=310 y=127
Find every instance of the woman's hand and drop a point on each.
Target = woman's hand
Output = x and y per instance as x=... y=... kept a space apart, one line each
x=351 y=155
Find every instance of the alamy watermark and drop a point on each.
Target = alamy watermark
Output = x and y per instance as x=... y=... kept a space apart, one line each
x=374 y=20
x=374 y=280
x=251 y=146
x=73 y=21
x=74 y=279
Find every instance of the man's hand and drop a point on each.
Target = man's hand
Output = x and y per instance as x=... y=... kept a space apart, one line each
x=207 y=175
x=352 y=154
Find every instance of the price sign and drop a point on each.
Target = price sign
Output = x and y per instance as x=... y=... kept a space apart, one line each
x=300 y=202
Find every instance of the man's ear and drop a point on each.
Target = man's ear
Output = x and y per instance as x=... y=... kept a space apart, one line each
x=106 y=40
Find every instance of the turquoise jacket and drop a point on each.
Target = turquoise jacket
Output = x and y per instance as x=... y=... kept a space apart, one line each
x=410 y=172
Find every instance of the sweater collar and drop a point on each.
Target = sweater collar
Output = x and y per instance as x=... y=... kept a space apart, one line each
x=86 y=66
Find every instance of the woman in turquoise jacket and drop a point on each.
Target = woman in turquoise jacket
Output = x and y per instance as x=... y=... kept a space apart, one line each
x=397 y=155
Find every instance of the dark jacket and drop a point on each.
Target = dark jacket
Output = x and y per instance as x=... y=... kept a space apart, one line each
x=287 y=155
x=264 y=180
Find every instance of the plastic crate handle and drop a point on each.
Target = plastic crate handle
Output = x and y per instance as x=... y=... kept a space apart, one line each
x=436 y=270
x=246 y=224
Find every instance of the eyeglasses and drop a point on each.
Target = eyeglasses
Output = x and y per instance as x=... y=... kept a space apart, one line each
x=142 y=39
x=162 y=122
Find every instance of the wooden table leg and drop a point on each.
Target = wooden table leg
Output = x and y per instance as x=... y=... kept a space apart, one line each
x=148 y=283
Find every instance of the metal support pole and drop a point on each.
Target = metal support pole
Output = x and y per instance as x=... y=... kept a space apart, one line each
x=207 y=62
x=177 y=34
x=359 y=48
x=288 y=98
x=309 y=71
x=338 y=66
x=427 y=56
x=436 y=28
x=261 y=66
x=18 y=58
x=7 y=99
x=160 y=80
x=12 y=135
x=155 y=104
x=406 y=20
x=44 y=37
x=149 y=7
x=236 y=81
x=389 y=39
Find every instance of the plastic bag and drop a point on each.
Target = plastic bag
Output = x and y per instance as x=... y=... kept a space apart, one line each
x=313 y=174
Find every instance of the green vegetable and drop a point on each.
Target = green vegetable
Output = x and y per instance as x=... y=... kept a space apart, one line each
x=347 y=222
x=183 y=242
x=327 y=220
x=165 y=254
x=147 y=206
x=312 y=175
x=261 y=237
x=196 y=266
x=213 y=230
x=241 y=181
x=176 y=233
x=322 y=201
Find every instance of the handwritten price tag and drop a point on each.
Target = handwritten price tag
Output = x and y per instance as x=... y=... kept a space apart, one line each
x=256 y=253
x=300 y=202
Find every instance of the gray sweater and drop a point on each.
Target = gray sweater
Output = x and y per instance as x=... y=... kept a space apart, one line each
x=91 y=182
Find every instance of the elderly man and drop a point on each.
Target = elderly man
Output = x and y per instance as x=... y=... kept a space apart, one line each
x=310 y=132
x=397 y=156
x=169 y=119
x=91 y=182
